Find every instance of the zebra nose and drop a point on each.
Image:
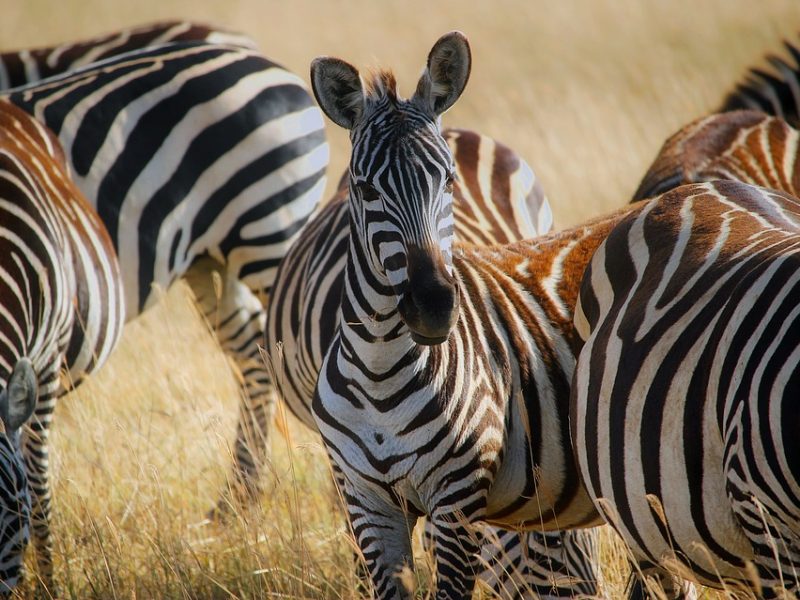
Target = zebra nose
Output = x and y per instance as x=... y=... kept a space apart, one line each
x=430 y=304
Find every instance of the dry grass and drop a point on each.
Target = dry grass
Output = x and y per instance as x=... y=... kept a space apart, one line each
x=586 y=92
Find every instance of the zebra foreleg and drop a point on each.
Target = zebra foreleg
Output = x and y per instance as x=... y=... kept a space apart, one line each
x=383 y=535
x=36 y=452
x=237 y=318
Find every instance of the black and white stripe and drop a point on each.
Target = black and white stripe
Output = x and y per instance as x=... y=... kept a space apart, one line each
x=61 y=308
x=496 y=199
x=445 y=390
x=200 y=159
x=685 y=394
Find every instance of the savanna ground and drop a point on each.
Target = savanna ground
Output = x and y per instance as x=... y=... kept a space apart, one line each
x=585 y=91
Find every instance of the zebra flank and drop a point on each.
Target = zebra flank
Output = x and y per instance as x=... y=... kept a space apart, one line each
x=473 y=429
x=61 y=307
x=686 y=388
x=203 y=161
x=23 y=67
x=496 y=199
x=774 y=90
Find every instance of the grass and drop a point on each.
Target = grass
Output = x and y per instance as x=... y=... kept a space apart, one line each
x=585 y=91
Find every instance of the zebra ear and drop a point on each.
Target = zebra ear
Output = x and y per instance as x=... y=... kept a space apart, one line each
x=338 y=89
x=18 y=400
x=447 y=72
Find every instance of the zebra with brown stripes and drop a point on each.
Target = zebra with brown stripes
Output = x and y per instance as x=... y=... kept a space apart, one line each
x=61 y=309
x=744 y=145
x=496 y=199
x=445 y=389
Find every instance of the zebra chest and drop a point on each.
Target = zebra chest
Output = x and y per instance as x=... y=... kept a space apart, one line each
x=398 y=437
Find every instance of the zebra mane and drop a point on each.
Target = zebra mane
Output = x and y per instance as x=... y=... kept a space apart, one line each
x=773 y=90
x=382 y=84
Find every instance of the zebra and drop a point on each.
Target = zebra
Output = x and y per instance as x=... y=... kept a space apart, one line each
x=496 y=199
x=445 y=389
x=683 y=392
x=61 y=314
x=742 y=145
x=200 y=159
x=775 y=92
x=22 y=67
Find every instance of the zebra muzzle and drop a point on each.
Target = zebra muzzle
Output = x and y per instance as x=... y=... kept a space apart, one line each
x=430 y=304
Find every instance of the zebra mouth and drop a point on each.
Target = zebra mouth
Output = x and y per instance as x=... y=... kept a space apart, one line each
x=429 y=341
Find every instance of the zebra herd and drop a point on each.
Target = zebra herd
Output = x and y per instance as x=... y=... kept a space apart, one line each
x=461 y=361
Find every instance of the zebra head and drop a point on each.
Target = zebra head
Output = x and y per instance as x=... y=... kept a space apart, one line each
x=401 y=180
x=17 y=402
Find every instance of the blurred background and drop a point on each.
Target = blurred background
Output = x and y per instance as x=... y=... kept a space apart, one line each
x=585 y=91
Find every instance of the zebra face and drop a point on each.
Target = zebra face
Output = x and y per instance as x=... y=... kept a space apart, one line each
x=17 y=403
x=401 y=211
x=401 y=178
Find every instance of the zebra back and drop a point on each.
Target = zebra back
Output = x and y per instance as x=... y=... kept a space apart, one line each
x=22 y=67
x=775 y=92
x=204 y=161
x=743 y=145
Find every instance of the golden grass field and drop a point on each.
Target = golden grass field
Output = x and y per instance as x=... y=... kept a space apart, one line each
x=585 y=91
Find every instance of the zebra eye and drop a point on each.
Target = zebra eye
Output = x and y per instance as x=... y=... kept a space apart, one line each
x=368 y=193
x=449 y=183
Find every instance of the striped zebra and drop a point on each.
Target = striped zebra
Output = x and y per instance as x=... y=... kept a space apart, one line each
x=685 y=391
x=61 y=313
x=775 y=91
x=496 y=199
x=744 y=145
x=22 y=67
x=200 y=159
x=445 y=389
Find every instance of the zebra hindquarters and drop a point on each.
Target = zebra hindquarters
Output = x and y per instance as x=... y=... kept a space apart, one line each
x=759 y=403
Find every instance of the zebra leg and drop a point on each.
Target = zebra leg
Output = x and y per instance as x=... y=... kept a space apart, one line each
x=36 y=453
x=533 y=564
x=673 y=588
x=456 y=545
x=237 y=317
x=383 y=535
